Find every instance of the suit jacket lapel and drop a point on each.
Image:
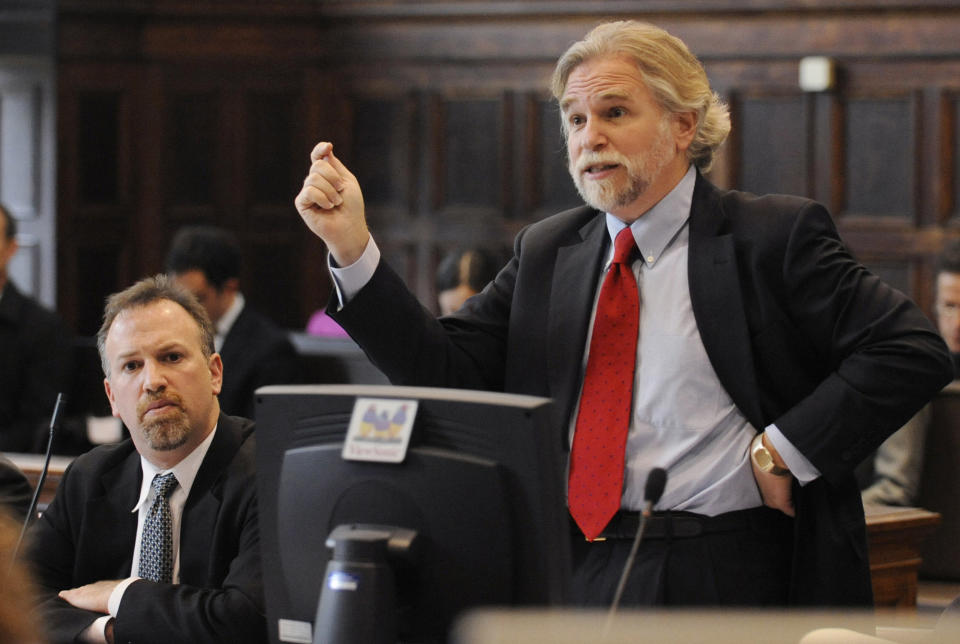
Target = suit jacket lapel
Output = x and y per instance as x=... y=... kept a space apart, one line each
x=117 y=523
x=203 y=505
x=575 y=276
x=717 y=301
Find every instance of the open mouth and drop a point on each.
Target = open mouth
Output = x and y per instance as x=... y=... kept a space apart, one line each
x=599 y=169
x=602 y=167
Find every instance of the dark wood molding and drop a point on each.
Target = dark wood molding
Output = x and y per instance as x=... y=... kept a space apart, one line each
x=223 y=84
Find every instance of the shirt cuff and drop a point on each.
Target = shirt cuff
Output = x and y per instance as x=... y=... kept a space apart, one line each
x=113 y=603
x=350 y=279
x=97 y=631
x=800 y=467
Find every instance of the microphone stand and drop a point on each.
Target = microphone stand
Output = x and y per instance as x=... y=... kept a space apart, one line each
x=54 y=420
x=656 y=481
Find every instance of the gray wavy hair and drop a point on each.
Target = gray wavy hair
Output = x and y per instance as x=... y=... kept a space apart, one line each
x=670 y=71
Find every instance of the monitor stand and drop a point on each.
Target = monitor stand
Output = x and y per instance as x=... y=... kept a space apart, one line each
x=358 y=600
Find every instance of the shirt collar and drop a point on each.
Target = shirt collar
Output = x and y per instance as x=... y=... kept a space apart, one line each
x=657 y=227
x=229 y=317
x=185 y=471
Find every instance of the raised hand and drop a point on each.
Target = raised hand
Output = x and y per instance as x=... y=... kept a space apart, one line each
x=331 y=204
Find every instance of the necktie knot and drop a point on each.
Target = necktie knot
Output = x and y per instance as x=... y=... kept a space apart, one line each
x=623 y=246
x=164 y=484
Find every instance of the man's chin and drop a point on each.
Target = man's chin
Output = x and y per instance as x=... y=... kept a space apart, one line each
x=607 y=201
x=165 y=436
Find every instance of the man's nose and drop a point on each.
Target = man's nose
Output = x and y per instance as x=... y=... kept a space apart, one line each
x=154 y=376
x=594 y=135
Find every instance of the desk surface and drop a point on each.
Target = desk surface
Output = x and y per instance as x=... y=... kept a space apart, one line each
x=32 y=466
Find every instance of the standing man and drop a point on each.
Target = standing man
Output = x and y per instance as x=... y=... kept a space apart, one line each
x=742 y=348
x=36 y=356
x=206 y=260
x=155 y=539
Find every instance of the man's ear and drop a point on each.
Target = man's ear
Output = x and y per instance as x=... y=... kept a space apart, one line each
x=215 y=364
x=113 y=405
x=231 y=285
x=684 y=129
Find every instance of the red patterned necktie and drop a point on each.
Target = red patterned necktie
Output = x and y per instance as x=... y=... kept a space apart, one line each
x=600 y=437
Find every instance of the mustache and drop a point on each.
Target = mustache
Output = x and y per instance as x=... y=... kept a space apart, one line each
x=151 y=401
x=588 y=159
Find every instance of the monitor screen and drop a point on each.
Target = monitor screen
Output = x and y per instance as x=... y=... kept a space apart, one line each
x=480 y=485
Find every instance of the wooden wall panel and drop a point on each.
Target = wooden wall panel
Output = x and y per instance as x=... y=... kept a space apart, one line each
x=191 y=153
x=774 y=144
x=471 y=163
x=382 y=143
x=554 y=190
x=880 y=159
x=951 y=134
x=442 y=111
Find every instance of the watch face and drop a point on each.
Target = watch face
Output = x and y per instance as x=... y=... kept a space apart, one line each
x=764 y=460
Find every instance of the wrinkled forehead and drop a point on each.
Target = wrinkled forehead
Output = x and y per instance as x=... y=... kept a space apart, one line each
x=610 y=78
x=156 y=323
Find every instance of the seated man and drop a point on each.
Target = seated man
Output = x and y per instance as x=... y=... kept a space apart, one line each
x=206 y=260
x=898 y=464
x=37 y=356
x=15 y=491
x=155 y=538
x=462 y=274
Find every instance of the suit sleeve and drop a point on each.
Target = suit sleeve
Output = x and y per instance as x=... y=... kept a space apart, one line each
x=52 y=554
x=152 y=612
x=411 y=347
x=231 y=613
x=884 y=360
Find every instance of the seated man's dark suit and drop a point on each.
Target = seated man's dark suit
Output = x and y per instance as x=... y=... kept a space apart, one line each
x=255 y=353
x=15 y=490
x=799 y=334
x=88 y=532
x=36 y=364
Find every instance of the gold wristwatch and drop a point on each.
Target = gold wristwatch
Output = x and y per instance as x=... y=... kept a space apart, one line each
x=764 y=459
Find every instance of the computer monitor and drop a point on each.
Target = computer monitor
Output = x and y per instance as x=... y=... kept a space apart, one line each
x=480 y=485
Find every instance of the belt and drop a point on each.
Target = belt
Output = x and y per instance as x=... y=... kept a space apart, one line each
x=681 y=525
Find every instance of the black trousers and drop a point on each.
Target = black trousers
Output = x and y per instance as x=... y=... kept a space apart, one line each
x=736 y=559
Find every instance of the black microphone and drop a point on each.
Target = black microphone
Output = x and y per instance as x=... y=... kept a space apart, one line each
x=652 y=491
x=54 y=421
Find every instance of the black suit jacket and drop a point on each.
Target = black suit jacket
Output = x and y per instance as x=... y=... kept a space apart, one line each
x=798 y=332
x=36 y=364
x=255 y=353
x=15 y=490
x=88 y=531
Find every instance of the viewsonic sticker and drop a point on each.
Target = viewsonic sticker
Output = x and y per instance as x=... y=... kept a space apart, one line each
x=379 y=430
